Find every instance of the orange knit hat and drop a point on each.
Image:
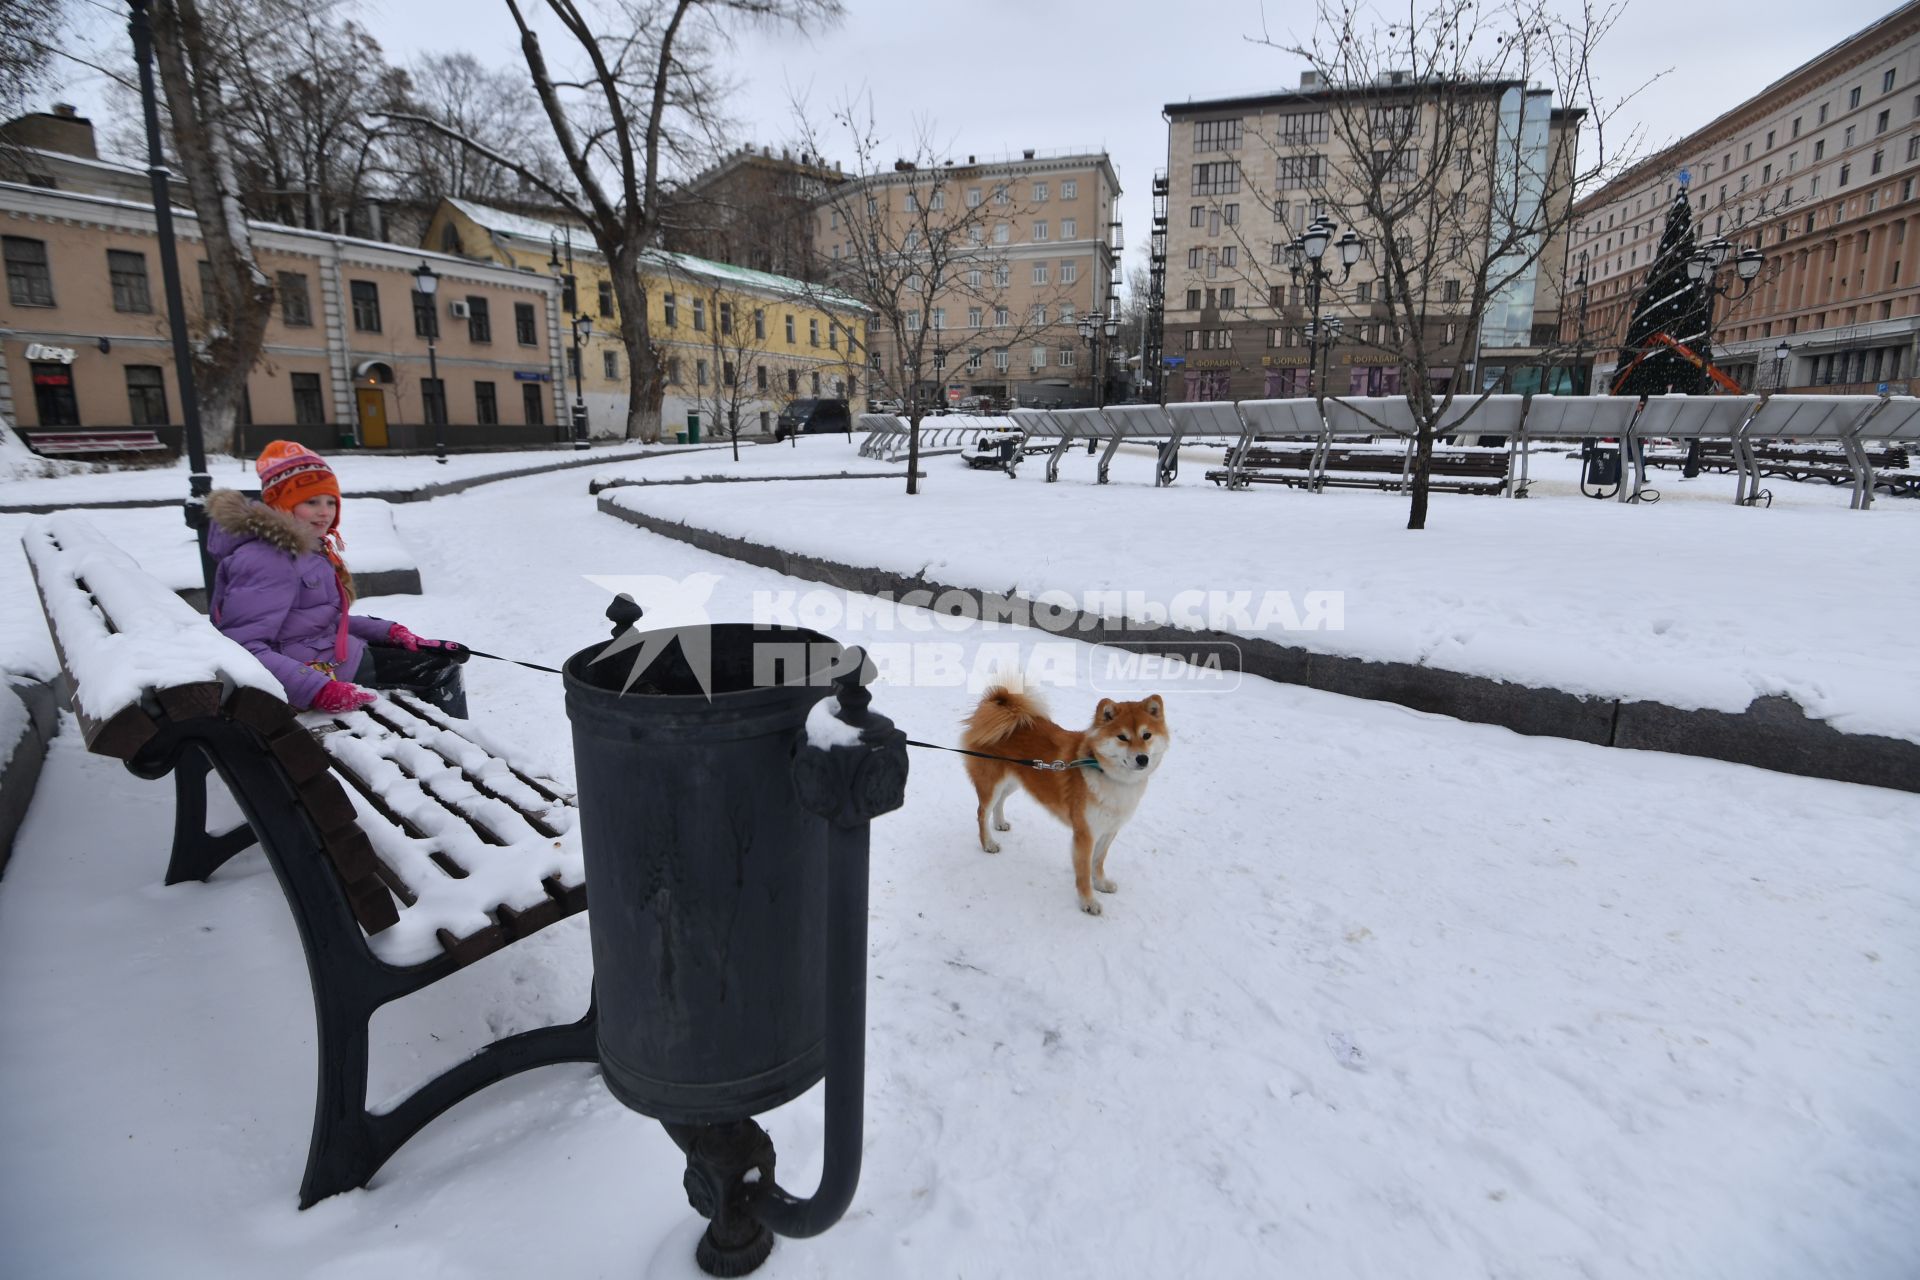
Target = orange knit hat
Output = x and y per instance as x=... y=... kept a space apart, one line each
x=291 y=473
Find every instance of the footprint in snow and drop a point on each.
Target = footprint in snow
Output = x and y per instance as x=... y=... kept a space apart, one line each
x=1346 y=1052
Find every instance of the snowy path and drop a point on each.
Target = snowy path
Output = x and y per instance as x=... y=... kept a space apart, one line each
x=1382 y=995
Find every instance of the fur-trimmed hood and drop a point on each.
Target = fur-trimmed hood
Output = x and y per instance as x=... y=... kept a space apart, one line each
x=242 y=520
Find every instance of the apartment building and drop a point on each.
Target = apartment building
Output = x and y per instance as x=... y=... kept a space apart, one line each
x=733 y=341
x=1038 y=250
x=754 y=209
x=86 y=342
x=1819 y=172
x=1247 y=175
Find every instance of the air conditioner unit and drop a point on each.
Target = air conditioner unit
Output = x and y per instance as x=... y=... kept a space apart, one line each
x=457 y=309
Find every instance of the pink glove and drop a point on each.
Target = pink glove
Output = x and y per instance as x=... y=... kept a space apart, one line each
x=405 y=639
x=337 y=696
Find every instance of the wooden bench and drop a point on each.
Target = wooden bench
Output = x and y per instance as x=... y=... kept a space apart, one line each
x=1798 y=462
x=1454 y=470
x=64 y=442
x=407 y=846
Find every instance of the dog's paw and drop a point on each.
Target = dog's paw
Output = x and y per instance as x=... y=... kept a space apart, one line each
x=990 y=846
x=1089 y=906
x=1001 y=824
x=1105 y=885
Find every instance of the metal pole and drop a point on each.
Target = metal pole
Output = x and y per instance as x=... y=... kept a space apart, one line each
x=440 y=415
x=199 y=482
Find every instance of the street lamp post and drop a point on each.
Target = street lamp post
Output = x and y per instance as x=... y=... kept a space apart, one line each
x=1583 y=379
x=582 y=330
x=426 y=281
x=1098 y=330
x=1703 y=269
x=1780 y=355
x=199 y=481
x=1304 y=257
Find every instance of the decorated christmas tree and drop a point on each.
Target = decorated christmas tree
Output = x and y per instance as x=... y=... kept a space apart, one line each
x=1672 y=305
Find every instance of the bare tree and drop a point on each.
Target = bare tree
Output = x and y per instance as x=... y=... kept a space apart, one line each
x=921 y=243
x=644 y=86
x=237 y=294
x=736 y=333
x=490 y=106
x=1430 y=142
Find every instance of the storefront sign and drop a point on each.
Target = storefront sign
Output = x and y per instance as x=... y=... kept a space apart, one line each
x=1286 y=360
x=37 y=351
x=1211 y=362
x=521 y=375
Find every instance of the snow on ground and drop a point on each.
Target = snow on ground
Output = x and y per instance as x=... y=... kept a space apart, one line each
x=1381 y=995
x=358 y=472
x=1691 y=601
x=757 y=462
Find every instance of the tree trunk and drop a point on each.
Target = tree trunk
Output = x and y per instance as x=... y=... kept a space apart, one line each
x=643 y=364
x=1422 y=472
x=234 y=324
x=913 y=446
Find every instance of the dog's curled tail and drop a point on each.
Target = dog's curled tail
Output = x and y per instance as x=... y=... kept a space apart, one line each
x=1002 y=712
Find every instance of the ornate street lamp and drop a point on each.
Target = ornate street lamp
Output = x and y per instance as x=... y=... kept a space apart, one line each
x=582 y=330
x=1780 y=355
x=1304 y=256
x=426 y=282
x=1703 y=269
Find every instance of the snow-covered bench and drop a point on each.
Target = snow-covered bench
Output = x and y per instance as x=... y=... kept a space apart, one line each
x=408 y=845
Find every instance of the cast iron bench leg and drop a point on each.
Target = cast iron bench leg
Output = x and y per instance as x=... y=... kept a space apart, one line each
x=198 y=853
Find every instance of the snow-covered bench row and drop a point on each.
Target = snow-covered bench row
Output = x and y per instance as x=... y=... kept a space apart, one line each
x=888 y=437
x=408 y=845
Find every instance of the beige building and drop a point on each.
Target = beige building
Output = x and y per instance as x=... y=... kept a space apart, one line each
x=1818 y=171
x=1040 y=251
x=1247 y=175
x=84 y=332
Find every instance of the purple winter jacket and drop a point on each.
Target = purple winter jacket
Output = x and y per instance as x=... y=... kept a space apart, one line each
x=275 y=593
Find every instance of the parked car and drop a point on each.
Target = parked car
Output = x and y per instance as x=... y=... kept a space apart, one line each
x=885 y=406
x=811 y=416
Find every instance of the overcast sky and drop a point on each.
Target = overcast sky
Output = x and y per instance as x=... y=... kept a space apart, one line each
x=994 y=77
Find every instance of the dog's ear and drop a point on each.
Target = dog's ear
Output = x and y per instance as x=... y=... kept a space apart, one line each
x=1153 y=707
x=1104 y=712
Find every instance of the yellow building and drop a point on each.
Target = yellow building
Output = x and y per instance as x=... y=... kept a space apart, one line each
x=732 y=341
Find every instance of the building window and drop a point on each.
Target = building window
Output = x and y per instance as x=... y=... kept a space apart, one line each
x=1070 y=190
x=610 y=365
x=479 y=321
x=146 y=395
x=813 y=331
x=486 y=408
x=759 y=325
x=1039 y=314
x=1853 y=97
x=1001 y=195
x=28 y=281
x=1846 y=172
x=1065 y=357
x=1300 y=127
x=1197 y=216
x=974 y=316
x=366 y=305
x=606 y=297
x=1216 y=135
x=426 y=321
x=790 y=331
x=1392 y=166
x=573 y=362
x=1878 y=161
x=699 y=315
x=433 y=401
x=532 y=406
x=296 y=306
x=1913 y=147
x=726 y=317
x=1001 y=359
x=1193 y=299
x=793 y=381
x=726 y=373
x=973 y=197
x=816 y=382
x=1299 y=171
x=1886 y=81
x=1450 y=291
x=1847 y=140
x=523 y=324
x=700 y=373
x=1069 y=271
x=669 y=310
x=1226 y=298
x=1039 y=273
x=309 y=408
x=128 y=273
x=1070 y=228
x=760 y=377
x=1819 y=153
x=1002 y=317
x=1220 y=178
x=1039 y=193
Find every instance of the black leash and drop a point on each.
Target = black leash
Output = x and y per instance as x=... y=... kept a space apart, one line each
x=479 y=653
x=1088 y=763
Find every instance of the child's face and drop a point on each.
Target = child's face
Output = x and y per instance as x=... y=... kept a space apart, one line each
x=317 y=513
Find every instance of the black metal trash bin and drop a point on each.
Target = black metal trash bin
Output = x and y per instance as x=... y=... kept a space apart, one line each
x=725 y=905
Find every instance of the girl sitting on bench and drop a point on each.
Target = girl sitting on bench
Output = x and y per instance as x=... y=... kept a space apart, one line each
x=282 y=591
